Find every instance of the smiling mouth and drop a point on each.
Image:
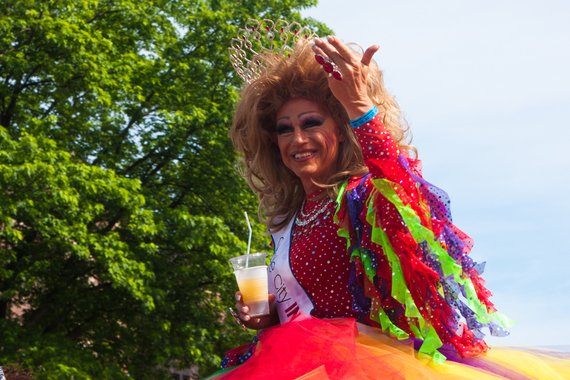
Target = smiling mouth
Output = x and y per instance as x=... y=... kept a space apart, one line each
x=303 y=155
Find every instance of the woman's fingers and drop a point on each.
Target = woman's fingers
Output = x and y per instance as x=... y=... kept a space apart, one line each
x=242 y=310
x=260 y=322
x=368 y=54
x=255 y=322
x=334 y=48
x=348 y=54
x=341 y=54
x=329 y=51
x=326 y=48
x=343 y=51
x=318 y=50
x=242 y=307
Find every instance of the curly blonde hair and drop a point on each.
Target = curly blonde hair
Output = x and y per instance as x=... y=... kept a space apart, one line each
x=279 y=190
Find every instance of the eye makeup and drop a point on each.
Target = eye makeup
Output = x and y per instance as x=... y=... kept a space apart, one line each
x=312 y=120
x=306 y=120
x=283 y=127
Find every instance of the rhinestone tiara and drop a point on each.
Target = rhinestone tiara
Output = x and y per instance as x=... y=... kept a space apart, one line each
x=262 y=39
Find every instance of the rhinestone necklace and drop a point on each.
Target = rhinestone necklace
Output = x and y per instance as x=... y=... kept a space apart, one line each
x=305 y=219
x=305 y=223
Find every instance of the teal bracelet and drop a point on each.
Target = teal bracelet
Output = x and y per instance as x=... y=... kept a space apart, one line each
x=364 y=118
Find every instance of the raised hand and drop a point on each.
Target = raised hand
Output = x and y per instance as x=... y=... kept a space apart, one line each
x=351 y=90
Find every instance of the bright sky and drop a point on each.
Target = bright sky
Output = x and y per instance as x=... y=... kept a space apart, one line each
x=485 y=86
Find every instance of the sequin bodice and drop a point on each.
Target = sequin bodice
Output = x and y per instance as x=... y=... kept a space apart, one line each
x=322 y=266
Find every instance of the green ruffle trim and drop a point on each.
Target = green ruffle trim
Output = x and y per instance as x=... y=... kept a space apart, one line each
x=448 y=264
x=400 y=290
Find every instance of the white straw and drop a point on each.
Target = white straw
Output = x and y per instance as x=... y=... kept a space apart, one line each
x=248 y=240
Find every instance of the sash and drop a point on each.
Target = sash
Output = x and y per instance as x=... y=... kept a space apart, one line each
x=290 y=297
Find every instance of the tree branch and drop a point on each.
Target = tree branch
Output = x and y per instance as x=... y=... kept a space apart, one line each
x=139 y=161
x=28 y=42
x=136 y=117
x=102 y=14
x=112 y=222
x=178 y=200
x=6 y=117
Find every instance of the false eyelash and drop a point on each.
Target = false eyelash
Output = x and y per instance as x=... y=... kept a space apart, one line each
x=313 y=122
x=281 y=129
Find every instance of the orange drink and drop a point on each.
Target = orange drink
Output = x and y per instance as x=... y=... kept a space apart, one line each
x=252 y=284
x=251 y=275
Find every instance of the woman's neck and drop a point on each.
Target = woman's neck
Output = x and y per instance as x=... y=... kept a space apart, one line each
x=315 y=194
x=310 y=187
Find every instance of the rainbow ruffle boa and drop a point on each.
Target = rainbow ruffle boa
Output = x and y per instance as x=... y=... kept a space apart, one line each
x=411 y=272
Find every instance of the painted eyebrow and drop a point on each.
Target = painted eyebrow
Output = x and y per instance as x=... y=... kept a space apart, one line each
x=299 y=115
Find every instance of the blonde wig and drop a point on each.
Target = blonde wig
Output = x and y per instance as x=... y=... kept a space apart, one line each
x=279 y=190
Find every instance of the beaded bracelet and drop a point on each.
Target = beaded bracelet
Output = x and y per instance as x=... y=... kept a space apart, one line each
x=364 y=118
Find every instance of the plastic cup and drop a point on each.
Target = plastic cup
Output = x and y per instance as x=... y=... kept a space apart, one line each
x=252 y=282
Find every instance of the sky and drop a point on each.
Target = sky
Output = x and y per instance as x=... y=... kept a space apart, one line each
x=485 y=87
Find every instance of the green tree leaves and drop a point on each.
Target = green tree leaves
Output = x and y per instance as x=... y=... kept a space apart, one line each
x=62 y=260
x=119 y=200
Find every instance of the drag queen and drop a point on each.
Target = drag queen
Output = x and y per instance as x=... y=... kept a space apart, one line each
x=370 y=279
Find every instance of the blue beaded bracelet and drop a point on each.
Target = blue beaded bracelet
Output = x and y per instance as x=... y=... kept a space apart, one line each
x=364 y=118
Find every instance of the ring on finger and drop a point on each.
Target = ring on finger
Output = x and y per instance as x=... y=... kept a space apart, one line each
x=329 y=66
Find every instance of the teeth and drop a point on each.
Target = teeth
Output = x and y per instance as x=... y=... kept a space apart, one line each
x=303 y=155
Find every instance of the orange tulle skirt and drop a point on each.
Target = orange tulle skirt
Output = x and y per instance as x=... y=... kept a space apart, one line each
x=340 y=349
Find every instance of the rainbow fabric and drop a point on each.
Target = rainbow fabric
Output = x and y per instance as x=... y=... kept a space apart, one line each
x=411 y=271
